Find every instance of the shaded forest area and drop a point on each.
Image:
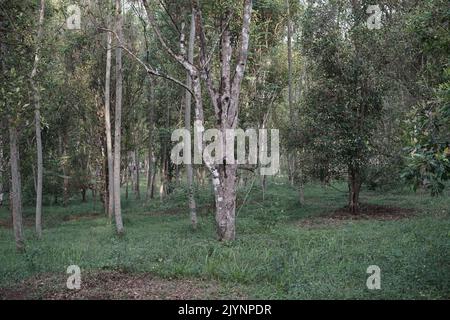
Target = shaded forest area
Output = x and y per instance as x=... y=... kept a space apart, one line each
x=91 y=93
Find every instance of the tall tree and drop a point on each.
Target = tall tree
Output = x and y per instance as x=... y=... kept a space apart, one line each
x=109 y=148
x=118 y=119
x=224 y=98
x=37 y=119
x=16 y=184
x=187 y=123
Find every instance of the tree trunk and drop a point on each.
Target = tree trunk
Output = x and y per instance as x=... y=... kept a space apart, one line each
x=354 y=184
x=62 y=151
x=118 y=120
x=289 y=45
x=187 y=123
x=127 y=174
x=83 y=195
x=226 y=203
x=225 y=102
x=109 y=148
x=151 y=156
x=37 y=120
x=163 y=174
x=16 y=187
x=301 y=194
x=137 y=168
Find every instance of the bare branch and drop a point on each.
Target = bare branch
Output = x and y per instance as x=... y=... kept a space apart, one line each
x=148 y=68
x=179 y=58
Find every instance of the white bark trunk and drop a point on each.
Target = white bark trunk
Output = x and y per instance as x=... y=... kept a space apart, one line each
x=151 y=156
x=109 y=148
x=187 y=122
x=225 y=102
x=118 y=120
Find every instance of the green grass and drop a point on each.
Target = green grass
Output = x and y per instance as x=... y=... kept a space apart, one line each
x=273 y=257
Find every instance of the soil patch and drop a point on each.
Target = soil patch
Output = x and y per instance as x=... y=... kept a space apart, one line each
x=367 y=212
x=114 y=285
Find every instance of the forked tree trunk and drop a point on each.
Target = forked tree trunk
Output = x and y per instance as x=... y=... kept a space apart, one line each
x=37 y=120
x=16 y=187
x=109 y=148
x=118 y=120
x=225 y=101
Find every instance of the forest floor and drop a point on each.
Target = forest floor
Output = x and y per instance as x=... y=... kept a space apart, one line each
x=283 y=250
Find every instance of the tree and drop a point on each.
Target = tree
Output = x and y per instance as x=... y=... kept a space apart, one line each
x=109 y=148
x=37 y=112
x=344 y=98
x=225 y=102
x=187 y=123
x=118 y=120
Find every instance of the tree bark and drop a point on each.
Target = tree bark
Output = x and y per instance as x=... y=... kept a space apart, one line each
x=118 y=120
x=354 y=184
x=109 y=148
x=151 y=156
x=37 y=120
x=187 y=123
x=137 y=168
x=226 y=203
x=289 y=45
x=16 y=187
x=63 y=154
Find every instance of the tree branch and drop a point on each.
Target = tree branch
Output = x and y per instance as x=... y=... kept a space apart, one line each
x=148 y=68
x=179 y=58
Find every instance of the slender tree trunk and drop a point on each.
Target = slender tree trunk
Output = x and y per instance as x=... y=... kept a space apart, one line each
x=289 y=44
x=291 y=156
x=131 y=165
x=16 y=187
x=187 y=123
x=163 y=174
x=37 y=120
x=83 y=195
x=109 y=148
x=354 y=189
x=137 y=166
x=62 y=151
x=118 y=120
x=151 y=156
x=127 y=175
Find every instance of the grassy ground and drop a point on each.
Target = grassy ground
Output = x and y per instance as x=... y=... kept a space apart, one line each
x=282 y=250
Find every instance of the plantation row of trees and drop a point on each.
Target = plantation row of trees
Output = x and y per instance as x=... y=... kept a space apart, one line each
x=93 y=109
